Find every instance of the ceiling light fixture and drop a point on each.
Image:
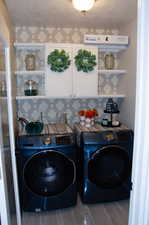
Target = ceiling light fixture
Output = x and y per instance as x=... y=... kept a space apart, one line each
x=83 y=5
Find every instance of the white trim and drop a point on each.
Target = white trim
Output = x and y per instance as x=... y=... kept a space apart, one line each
x=139 y=204
x=4 y=210
x=11 y=130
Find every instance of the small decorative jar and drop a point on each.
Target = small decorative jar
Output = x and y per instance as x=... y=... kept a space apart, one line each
x=82 y=120
x=104 y=122
x=31 y=88
x=93 y=121
x=30 y=62
x=88 y=122
x=109 y=61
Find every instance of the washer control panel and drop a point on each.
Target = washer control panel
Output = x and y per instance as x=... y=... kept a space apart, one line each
x=39 y=141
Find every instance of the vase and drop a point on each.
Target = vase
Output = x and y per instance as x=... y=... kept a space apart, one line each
x=30 y=62
x=92 y=121
x=88 y=122
x=109 y=61
x=82 y=120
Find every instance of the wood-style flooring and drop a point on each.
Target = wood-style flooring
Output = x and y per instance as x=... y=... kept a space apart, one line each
x=115 y=213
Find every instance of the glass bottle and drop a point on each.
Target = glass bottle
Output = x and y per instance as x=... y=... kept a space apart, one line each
x=109 y=61
x=31 y=88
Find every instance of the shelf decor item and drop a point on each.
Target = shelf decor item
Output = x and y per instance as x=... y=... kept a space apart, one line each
x=104 y=122
x=31 y=88
x=109 y=61
x=111 y=108
x=31 y=127
x=30 y=62
x=82 y=117
x=85 y=61
x=2 y=88
x=87 y=117
x=58 y=60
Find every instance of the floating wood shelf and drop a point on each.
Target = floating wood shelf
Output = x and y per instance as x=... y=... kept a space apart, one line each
x=36 y=72
x=110 y=72
x=64 y=97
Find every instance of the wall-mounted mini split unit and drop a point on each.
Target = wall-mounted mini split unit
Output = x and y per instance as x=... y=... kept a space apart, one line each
x=105 y=39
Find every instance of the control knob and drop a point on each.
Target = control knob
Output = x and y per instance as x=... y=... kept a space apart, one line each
x=47 y=141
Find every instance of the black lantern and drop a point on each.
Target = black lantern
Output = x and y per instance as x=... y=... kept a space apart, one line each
x=111 y=108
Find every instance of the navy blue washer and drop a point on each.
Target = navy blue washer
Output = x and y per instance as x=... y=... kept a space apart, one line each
x=47 y=173
x=105 y=159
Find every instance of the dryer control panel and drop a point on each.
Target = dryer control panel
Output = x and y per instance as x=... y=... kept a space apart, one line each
x=108 y=137
x=104 y=137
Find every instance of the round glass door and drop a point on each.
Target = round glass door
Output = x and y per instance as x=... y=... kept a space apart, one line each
x=49 y=173
x=109 y=167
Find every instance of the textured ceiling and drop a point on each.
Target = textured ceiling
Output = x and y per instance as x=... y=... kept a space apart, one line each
x=60 y=13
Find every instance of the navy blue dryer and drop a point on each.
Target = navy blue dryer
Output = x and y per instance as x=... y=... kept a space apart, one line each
x=47 y=172
x=106 y=159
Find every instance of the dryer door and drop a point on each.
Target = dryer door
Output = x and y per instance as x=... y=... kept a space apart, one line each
x=49 y=173
x=109 y=167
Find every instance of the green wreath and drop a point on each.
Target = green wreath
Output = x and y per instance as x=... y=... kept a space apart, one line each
x=58 y=60
x=85 y=61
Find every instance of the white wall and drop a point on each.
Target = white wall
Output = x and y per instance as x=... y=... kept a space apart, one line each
x=5 y=26
x=128 y=81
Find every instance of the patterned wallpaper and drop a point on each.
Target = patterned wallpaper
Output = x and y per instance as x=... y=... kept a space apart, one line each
x=56 y=35
x=53 y=109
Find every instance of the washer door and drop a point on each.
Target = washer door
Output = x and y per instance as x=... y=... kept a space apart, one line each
x=49 y=173
x=109 y=167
